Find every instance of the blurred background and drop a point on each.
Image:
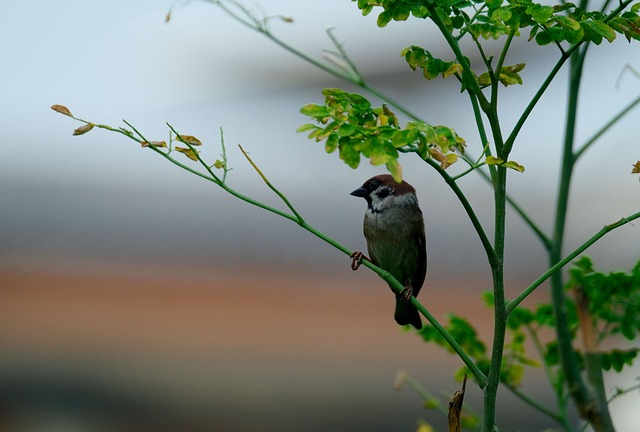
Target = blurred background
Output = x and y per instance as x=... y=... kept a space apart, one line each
x=137 y=297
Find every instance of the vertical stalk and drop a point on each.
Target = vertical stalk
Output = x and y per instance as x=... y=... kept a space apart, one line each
x=589 y=408
x=500 y=312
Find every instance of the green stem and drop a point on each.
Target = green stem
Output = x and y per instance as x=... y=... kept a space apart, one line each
x=484 y=239
x=469 y=81
x=564 y=261
x=579 y=392
x=606 y=127
x=481 y=131
x=554 y=71
x=351 y=75
x=275 y=190
x=388 y=277
x=560 y=402
x=398 y=287
x=544 y=239
x=536 y=98
x=499 y=309
x=404 y=377
x=535 y=404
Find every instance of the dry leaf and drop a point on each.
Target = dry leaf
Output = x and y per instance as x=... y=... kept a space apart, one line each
x=62 y=110
x=191 y=140
x=188 y=153
x=153 y=143
x=83 y=129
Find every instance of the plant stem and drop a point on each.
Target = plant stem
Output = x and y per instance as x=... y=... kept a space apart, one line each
x=499 y=307
x=564 y=261
x=606 y=127
x=484 y=239
x=535 y=404
x=560 y=402
x=586 y=400
x=469 y=81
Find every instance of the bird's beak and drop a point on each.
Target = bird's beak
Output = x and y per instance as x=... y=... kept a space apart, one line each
x=360 y=192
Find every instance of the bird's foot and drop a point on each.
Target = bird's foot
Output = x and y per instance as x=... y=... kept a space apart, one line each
x=356 y=259
x=406 y=293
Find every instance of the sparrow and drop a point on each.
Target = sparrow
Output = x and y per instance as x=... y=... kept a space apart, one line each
x=394 y=230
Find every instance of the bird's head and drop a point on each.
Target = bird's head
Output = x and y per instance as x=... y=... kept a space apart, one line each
x=382 y=192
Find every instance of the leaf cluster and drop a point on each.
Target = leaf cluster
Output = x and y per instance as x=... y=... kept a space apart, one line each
x=614 y=306
x=491 y=19
x=614 y=298
x=348 y=122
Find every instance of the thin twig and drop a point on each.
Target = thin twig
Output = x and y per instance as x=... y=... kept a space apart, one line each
x=272 y=187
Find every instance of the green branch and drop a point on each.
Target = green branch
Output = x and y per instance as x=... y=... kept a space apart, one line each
x=486 y=243
x=345 y=68
x=535 y=404
x=546 y=275
x=606 y=127
x=468 y=79
x=295 y=217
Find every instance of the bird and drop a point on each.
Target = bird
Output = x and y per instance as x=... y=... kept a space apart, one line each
x=396 y=241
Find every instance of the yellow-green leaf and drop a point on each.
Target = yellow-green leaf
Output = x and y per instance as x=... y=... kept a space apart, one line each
x=514 y=166
x=62 y=110
x=219 y=164
x=394 y=169
x=455 y=68
x=193 y=155
x=306 y=127
x=424 y=427
x=636 y=168
x=492 y=160
x=83 y=129
x=445 y=160
x=191 y=140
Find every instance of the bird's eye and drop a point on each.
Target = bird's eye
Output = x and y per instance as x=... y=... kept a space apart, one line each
x=374 y=184
x=384 y=193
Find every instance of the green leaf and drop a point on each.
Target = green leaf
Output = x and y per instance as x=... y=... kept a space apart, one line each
x=617 y=359
x=349 y=155
x=454 y=68
x=509 y=75
x=502 y=13
x=313 y=110
x=543 y=38
x=520 y=316
x=431 y=403
x=331 y=143
x=596 y=30
x=492 y=160
x=395 y=169
x=567 y=23
x=346 y=129
x=540 y=14
x=306 y=127
x=384 y=18
x=514 y=166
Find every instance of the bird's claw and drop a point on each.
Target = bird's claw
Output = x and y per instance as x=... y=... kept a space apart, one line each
x=406 y=293
x=356 y=260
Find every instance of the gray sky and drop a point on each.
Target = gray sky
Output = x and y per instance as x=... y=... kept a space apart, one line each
x=203 y=71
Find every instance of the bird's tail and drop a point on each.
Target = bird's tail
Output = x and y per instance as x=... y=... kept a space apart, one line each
x=406 y=313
